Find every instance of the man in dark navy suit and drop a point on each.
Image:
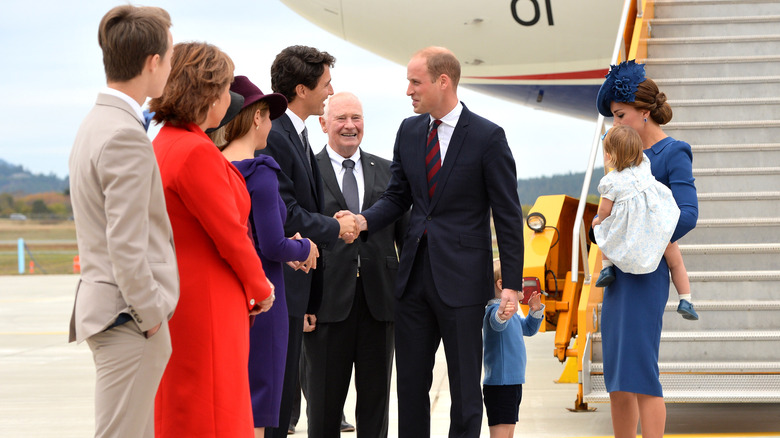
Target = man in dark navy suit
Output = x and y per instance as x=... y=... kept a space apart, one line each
x=302 y=75
x=355 y=321
x=453 y=168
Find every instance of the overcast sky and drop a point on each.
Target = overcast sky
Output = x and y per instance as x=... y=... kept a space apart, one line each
x=52 y=70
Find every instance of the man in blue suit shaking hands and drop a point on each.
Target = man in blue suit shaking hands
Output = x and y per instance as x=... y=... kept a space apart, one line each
x=453 y=168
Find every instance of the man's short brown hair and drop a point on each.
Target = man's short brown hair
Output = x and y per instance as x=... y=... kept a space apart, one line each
x=441 y=61
x=298 y=65
x=128 y=35
x=199 y=74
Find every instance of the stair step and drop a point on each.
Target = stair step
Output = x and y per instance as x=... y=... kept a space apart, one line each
x=713 y=64
x=726 y=39
x=737 y=179
x=681 y=396
x=732 y=248
x=698 y=8
x=704 y=276
x=735 y=306
x=741 y=147
x=727 y=155
x=712 y=46
x=724 y=102
x=704 y=85
x=738 y=222
x=721 y=257
x=739 y=196
x=717 y=315
x=712 y=335
x=671 y=27
x=687 y=21
x=710 y=344
x=749 y=131
x=706 y=367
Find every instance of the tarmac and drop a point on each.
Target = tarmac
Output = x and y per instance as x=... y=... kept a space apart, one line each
x=47 y=384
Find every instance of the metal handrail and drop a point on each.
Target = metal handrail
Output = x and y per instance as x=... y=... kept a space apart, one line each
x=578 y=232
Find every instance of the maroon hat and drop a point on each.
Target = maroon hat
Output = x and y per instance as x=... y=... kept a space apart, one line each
x=277 y=103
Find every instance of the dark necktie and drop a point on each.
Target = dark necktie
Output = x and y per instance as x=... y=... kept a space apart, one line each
x=147 y=118
x=433 y=157
x=306 y=146
x=349 y=187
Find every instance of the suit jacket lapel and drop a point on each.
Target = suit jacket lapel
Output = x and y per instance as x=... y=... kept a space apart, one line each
x=419 y=156
x=453 y=149
x=369 y=176
x=295 y=139
x=329 y=178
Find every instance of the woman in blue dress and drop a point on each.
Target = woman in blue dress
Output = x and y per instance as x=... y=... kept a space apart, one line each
x=244 y=135
x=633 y=306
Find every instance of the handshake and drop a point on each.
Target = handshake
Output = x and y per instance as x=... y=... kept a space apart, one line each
x=350 y=225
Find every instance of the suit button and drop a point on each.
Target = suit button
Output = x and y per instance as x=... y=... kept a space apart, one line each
x=252 y=302
x=428 y=218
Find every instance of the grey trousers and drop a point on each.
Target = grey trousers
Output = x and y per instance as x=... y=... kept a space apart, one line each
x=129 y=368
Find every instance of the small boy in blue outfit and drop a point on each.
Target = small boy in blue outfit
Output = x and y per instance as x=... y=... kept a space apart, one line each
x=504 y=357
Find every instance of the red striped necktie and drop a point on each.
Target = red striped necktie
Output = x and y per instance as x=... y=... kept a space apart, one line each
x=433 y=157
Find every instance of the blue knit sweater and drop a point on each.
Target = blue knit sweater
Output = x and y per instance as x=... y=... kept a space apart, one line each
x=504 y=356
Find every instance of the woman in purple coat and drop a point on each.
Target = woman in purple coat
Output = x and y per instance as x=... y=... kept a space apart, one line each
x=244 y=135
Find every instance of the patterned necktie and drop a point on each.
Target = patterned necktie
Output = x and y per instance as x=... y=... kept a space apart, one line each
x=433 y=157
x=306 y=146
x=350 y=188
x=148 y=118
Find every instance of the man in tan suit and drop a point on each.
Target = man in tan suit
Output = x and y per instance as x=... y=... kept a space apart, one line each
x=129 y=282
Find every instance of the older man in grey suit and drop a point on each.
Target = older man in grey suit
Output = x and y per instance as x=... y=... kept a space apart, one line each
x=129 y=284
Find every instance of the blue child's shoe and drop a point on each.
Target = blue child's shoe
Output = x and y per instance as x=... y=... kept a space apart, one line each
x=685 y=308
x=606 y=277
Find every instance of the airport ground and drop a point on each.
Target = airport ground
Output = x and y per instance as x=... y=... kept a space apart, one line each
x=46 y=384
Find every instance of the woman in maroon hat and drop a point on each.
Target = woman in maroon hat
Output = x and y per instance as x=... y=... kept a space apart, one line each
x=244 y=135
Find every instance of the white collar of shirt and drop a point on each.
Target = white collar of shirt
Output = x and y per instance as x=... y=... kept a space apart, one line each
x=337 y=161
x=130 y=101
x=299 y=124
x=446 y=128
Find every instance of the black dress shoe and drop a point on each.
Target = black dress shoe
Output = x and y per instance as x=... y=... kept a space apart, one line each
x=346 y=427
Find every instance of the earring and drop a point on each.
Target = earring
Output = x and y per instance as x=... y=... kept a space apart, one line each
x=215 y=104
x=257 y=127
x=645 y=119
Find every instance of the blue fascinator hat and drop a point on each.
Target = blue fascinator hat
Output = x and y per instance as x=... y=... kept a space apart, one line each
x=621 y=85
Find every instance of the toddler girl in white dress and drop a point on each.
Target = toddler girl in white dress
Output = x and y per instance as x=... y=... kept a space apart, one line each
x=637 y=215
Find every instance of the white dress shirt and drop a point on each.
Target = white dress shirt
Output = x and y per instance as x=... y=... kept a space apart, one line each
x=336 y=161
x=446 y=128
x=299 y=124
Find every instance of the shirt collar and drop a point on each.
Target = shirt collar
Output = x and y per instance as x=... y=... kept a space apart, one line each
x=129 y=100
x=451 y=119
x=337 y=158
x=299 y=124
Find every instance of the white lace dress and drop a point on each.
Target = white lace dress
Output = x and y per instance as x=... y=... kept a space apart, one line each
x=644 y=216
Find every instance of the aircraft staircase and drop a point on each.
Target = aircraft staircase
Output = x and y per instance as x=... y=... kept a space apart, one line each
x=718 y=61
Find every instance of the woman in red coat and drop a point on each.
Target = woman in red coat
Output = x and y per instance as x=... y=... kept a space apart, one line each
x=205 y=389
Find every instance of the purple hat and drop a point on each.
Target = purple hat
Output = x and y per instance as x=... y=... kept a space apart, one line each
x=277 y=103
x=620 y=86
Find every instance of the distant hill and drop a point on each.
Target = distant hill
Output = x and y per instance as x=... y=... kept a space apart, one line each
x=18 y=180
x=565 y=184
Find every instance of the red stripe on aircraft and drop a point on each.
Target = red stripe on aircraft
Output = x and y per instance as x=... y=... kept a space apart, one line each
x=590 y=74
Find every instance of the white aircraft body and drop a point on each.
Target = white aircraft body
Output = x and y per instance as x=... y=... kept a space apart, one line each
x=547 y=54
